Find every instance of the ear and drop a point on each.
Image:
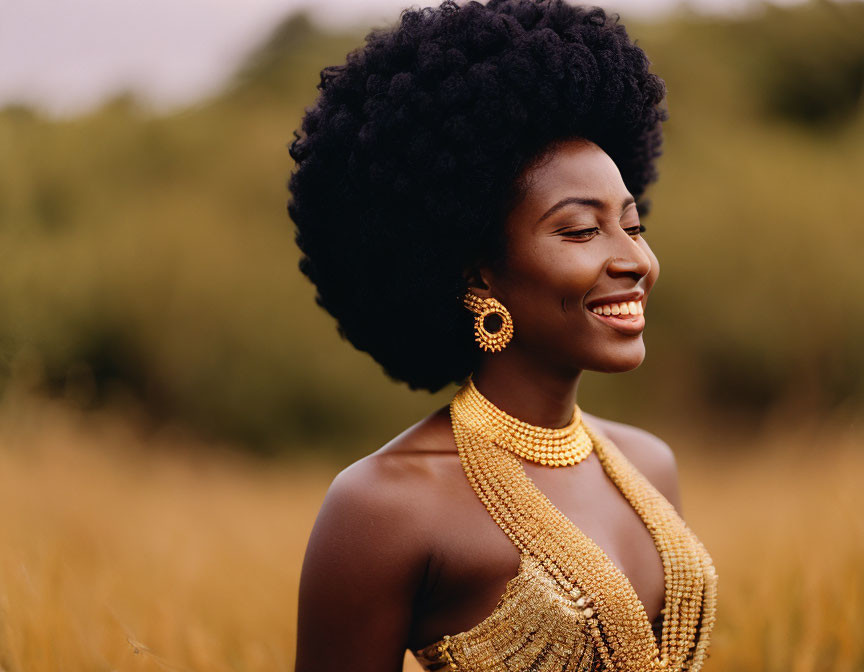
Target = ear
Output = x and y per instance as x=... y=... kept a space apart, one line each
x=476 y=278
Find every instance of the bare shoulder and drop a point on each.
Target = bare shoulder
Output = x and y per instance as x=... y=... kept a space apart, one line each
x=650 y=454
x=382 y=498
x=366 y=528
x=377 y=496
x=370 y=546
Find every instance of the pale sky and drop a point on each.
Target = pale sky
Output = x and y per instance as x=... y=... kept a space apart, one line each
x=68 y=55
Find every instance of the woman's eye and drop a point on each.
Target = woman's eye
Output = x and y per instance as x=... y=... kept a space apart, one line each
x=581 y=233
x=635 y=230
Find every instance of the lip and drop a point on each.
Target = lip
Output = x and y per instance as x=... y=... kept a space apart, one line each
x=623 y=297
x=630 y=325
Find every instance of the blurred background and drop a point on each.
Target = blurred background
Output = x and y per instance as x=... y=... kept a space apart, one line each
x=173 y=405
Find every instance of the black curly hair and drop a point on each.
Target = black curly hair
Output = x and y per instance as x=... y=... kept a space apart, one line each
x=412 y=156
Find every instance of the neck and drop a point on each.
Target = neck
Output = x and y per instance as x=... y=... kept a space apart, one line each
x=520 y=386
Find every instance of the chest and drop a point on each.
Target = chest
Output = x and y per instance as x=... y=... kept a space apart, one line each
x=476 y=562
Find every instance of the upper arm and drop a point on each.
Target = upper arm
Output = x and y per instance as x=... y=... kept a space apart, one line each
x=363 y=565
x=651 y=456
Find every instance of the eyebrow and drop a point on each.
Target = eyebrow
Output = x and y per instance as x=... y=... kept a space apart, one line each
x=581 y=200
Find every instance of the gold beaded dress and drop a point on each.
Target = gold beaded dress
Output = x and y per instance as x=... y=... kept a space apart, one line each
x=569 y=608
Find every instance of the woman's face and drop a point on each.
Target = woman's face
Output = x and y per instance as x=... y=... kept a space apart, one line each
x=576 y=265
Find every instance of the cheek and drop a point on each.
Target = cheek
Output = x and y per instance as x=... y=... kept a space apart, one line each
x=554 y=276
x=574 y=268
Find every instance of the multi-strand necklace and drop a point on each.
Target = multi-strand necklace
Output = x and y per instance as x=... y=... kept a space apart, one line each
x=491 y=443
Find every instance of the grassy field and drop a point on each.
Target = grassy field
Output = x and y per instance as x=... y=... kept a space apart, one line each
x=125 y=549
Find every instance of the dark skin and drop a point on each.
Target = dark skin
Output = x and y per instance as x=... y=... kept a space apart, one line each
x=403 y=551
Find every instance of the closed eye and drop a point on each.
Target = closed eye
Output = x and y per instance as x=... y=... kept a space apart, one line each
x=635 y=230
x=581 y=233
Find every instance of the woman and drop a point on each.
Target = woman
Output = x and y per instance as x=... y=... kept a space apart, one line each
x=467 y=197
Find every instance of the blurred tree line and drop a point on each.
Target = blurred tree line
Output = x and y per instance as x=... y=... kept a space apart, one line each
x=149 y=261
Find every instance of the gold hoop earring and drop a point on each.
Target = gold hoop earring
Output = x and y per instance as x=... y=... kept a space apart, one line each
x=490 y=341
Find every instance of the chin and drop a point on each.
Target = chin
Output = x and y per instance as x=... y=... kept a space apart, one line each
x=621 y=361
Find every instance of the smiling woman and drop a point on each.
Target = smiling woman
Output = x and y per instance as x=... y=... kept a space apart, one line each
x=467 y=198
x=574 y=246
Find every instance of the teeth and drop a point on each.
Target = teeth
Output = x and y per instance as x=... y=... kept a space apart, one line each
x=625 y=308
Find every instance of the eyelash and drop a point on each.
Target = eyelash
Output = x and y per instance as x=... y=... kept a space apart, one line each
x=584 y=233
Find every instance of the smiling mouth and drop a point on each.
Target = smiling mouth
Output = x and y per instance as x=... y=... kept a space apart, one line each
x=626 y=317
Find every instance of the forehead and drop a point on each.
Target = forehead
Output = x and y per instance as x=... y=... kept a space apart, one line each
x=574 y=168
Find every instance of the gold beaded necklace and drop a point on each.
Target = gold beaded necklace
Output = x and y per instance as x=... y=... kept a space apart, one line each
x=557 y=447
x=614 y=616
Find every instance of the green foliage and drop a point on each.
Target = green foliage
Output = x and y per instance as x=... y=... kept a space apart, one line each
x=151 y=258
x=812 y=62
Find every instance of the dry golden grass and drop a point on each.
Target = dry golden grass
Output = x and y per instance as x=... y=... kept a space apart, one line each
x=122 y=553
x=782 y=519
x=119 y=552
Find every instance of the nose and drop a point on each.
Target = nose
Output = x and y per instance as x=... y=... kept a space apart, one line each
x=629 y=259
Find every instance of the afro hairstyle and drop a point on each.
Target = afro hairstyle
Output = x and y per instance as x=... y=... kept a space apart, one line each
x=411 y=156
